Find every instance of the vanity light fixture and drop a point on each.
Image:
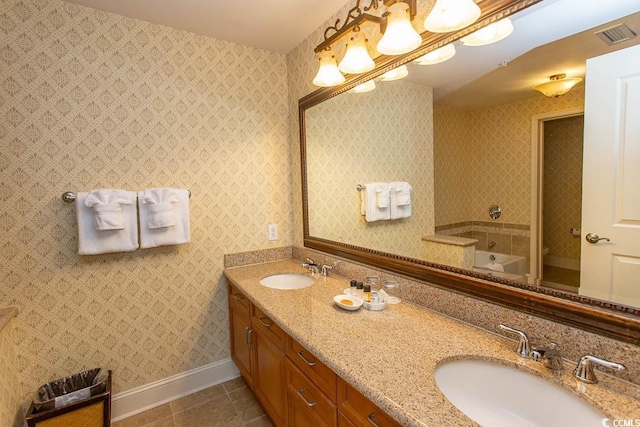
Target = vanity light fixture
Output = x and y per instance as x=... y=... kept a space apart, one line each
x=395 y=74
x=437 y=56
x=328 y=74
x=367 y=86
x=398 y=37
x=356 y=60
x=490 y=34
x=451 y=15
x=557 y=85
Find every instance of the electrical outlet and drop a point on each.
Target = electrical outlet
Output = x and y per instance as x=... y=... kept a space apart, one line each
x=273 y=231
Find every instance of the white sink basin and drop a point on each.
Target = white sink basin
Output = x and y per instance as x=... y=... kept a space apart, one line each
x=288 y=281
x=495 y=395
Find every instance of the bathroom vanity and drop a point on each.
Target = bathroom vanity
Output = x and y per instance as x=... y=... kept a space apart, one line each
x=310 y=362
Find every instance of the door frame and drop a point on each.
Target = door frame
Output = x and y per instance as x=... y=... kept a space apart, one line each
x=537 y=187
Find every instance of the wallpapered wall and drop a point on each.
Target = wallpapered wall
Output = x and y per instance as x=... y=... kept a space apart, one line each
x=380 y=136
x=563 y=186
x=95 y=100
x=493 y=147
x=10 y=394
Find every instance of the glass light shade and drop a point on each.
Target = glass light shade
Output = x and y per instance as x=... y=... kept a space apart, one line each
x=451 y=15
x=395 y=74
x=367 y=86
x=442 y=54
x=489 y=34
x=557 y=86
x=328 y=74
x=356 y=60
x=400 y=36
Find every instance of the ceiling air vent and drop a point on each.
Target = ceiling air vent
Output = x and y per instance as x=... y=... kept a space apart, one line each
x=616 y=34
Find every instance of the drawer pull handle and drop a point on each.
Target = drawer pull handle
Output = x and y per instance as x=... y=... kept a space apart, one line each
x=310 y=404
x=305 y=359
x=370 y=418
x=238 y=296
x=267 y=324
x=249 y=337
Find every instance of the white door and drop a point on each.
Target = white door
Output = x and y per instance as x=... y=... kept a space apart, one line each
x=610 y=270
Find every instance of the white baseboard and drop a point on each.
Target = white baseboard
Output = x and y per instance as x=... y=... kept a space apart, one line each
x=149 y=396
x=570 y=264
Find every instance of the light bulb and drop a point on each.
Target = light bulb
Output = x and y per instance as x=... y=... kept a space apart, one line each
x=395 y=74
x=328 y=74
x=356 y=60
x=367 y=86
x=437 y=56
x=489 y=34
x=400 y=36
x=451 y=15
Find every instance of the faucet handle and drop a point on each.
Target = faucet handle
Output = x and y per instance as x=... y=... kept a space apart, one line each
x=584 y=370
x=523 y=349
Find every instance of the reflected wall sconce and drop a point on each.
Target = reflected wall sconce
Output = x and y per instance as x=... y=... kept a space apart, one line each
x=490 y=34
x=437 y=56
x=557 y=85
x=396 y=74
x=451 y=15
x=398 y=37
x=367 y=86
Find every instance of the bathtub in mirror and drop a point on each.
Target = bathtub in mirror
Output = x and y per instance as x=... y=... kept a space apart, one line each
x=345 y=141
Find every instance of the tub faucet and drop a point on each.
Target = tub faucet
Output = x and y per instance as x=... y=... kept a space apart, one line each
x=492 y=244
x=311 y=265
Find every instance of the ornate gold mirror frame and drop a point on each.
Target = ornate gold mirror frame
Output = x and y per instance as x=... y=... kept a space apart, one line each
x=602 y=317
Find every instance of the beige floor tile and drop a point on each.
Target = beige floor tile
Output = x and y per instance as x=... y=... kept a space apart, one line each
x=196 y=399
x=146 y=417
x=234 y=384
x=214 y=413
x=246 y=404
x=164 y=422
x=260 y=422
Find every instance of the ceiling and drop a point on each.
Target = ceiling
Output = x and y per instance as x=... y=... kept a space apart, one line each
x=274 y=25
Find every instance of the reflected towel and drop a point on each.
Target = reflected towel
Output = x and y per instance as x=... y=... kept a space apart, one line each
x=107 y=222
x=400 y=200
x=494 y=266
x=372 y=211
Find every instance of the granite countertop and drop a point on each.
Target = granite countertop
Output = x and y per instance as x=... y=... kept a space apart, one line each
x=390 y=355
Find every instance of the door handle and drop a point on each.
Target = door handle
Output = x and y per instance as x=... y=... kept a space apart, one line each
x=594 y=238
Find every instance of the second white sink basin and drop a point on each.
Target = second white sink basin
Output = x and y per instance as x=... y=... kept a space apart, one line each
x=495 y=395
x=288 y=281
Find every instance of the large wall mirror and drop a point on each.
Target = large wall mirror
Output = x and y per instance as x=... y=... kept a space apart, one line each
x=470 y=135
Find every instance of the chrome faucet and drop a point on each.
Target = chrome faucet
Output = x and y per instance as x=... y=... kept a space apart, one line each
x=311 y=265
x=549 y=356
x=584 y=370
x=324 y=271
x=523 y=349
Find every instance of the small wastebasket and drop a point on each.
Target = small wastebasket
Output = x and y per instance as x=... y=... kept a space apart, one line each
x=81 y=400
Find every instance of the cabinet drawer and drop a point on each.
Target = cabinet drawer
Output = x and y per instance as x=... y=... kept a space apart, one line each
x=237 y=298
x=305 y=398
x=360 y=410
x=324 y=378
x=261 y=322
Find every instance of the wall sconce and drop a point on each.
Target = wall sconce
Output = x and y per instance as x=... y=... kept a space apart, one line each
x=451 y=15
x=490 y=34
x=437 y=56
x=398 y=37
x=396 y=74
x=557 y=85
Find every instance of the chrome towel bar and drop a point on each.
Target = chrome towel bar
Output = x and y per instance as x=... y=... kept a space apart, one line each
x=70 y=196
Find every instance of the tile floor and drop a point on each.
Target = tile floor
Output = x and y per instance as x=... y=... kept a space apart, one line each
x=561 y=276
x=230 y=404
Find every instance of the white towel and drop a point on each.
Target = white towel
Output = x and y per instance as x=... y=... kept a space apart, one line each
x=372 y=211
x=107 y=222
x=494 y=266
x=383 y=197
x=400 y=200
x=164 y=217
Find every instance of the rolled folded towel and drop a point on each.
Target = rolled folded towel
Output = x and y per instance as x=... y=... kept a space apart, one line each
x=107 y=208
x=400 y=200
x=494 y=266
x=403 y=194
x=161 y=208
x=372 y=211
x=383 y=197
x=164 y=217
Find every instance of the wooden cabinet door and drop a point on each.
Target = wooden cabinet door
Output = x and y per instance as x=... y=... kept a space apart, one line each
x=241 y=336
x=269 y=378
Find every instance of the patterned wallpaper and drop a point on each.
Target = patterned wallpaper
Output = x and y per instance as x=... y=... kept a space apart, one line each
x=10 y=394
x=496 y=142
x=380 y=136
x=94 y=100
x=562 y=186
